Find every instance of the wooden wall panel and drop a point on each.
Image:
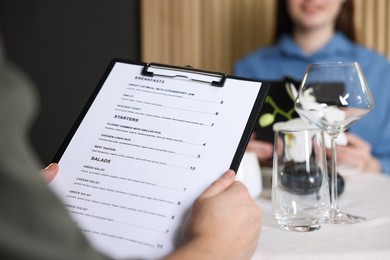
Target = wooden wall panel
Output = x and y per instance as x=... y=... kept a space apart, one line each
x=212 y=34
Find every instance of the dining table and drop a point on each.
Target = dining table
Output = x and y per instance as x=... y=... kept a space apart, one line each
x=365 y=194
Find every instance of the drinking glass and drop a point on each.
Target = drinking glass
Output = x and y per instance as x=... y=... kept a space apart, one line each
x=333 y=96
x=300 y=193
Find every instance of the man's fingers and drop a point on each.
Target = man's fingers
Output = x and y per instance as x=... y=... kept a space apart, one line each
x=219 y=185
x=50 y=172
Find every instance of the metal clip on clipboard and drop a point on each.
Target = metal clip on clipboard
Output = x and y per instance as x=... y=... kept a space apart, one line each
x=201 y=76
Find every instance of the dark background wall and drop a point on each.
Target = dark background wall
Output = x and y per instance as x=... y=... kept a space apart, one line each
x=65 y=47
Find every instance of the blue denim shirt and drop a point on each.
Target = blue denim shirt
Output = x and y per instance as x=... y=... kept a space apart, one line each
x=286 y=58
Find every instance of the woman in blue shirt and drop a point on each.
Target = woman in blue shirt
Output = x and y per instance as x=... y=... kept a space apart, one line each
x=318 y=31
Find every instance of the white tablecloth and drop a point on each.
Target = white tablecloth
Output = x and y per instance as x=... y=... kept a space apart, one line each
x=364 y=195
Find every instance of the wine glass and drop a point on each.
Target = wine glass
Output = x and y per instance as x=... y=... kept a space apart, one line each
x=334 y=95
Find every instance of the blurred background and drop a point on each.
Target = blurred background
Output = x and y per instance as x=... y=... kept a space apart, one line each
x=65 y=46
x=213 y=34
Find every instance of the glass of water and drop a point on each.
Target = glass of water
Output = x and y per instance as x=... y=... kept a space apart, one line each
x=300 y=193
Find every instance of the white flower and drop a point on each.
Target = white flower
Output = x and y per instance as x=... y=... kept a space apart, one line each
x=333 y=115
x=340 y=140
x=298 y=143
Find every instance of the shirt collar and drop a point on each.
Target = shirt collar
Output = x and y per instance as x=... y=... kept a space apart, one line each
x=338 y=44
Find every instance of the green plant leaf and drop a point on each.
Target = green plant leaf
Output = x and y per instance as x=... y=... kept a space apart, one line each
x=266 y=119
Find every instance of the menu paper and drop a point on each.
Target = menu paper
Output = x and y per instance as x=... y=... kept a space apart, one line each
x=144 y=150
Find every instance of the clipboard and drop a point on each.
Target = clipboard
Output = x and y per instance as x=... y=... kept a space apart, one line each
x=150 y=139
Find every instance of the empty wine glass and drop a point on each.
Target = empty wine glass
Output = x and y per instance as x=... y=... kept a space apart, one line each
x=334 y=95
